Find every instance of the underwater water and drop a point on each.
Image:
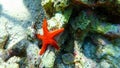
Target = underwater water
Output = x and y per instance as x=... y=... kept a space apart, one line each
x=59 y=34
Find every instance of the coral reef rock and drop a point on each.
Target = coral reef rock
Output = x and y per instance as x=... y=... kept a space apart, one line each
x=91 y=36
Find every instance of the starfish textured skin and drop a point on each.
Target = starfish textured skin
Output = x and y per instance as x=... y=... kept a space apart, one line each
x=48 y=37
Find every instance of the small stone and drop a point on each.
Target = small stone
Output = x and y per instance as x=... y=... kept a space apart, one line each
x=68 y=58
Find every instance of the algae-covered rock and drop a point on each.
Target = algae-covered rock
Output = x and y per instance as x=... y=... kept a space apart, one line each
x=106 y=51
x=81 y=21
x=105 y=47
x=48 y=6
x=113 y=61
x=106 y=28
x=61 y=4
x=82 y=60
x=85 y=61
x=109 y=62
x=51 y=6
x=59 y=20
x=89 y=49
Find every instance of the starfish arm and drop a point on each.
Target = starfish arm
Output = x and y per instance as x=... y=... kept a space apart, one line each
x=54 y=44
x=44 y=46
x=39 y=36
x=56 y=32
x=45 y=30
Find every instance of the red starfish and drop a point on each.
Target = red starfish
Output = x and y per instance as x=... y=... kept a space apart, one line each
x=48 y=37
